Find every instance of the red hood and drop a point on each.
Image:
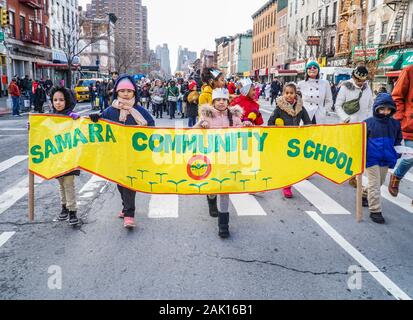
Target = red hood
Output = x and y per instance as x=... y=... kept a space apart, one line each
x=249 y=106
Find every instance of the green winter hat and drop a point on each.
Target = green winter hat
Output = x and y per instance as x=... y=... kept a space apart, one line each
x=313 y=63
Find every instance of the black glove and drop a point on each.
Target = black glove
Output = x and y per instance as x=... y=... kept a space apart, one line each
x=95 y=117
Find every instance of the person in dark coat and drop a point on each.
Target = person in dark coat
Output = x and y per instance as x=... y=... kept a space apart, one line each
x=289 y=111
x=126 y=110
x=191 y=98
x=62 y=104
x=39 y=98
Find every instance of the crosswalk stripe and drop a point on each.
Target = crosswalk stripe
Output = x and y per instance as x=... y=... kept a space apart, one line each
x=375 y=272
x=246 y=205
x=13 y=129
x=15 y=193
x=324 y=203
x=402 y=201
x=11 y=162
x=163 y=206
x=5 y=236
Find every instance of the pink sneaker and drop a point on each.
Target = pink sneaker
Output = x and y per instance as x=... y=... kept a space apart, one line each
x=129 y=223
x=288 y=193
x=121 y=215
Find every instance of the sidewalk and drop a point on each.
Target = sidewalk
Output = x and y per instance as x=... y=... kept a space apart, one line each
x=3 y=107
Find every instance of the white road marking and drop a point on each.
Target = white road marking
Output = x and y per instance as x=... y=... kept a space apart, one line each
x=13 y=129
x=324 y=203
x=247 y=205
x=5 y=236
x=11 y=162
x=381 y=278
x=163 y=206
x=15 y=193
x=402 y=201
x=88 y=190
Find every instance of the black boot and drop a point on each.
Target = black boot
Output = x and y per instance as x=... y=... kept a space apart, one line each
x=377 y=218
x=64 y=214
x=365 y=202
x=223 y=220
x=73 y=220
x=213 y=207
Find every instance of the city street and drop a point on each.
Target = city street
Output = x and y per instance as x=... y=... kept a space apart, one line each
x=309 y=247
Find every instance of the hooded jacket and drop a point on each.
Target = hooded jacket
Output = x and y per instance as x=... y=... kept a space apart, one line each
x=290 y=114
x=383 y=134
x=249 y=106
x=113 y=114
x=220 y=119
x=206 y=95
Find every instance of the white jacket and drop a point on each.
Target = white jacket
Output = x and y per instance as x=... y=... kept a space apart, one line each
x=317 y=98
x=350 y=91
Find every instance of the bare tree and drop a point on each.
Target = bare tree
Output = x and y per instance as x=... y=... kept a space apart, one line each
x=77 y=39
x=125 y=56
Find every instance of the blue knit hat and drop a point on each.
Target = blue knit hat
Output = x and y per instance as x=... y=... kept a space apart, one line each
x=384 y=100
x=313 y=63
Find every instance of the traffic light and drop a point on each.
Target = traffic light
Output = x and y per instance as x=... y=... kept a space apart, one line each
x=5 y=20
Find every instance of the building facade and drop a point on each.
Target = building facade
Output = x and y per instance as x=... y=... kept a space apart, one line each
x=208 y=59
x=27 y=40
x=97 y=37
x=185 y=59
x=264 y=50
x=132 y=27
x=162 y=53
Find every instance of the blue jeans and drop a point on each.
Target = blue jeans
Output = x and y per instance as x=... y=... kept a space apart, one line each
x=179 y=106
x=15 y=101
x=406 y=164
x=191 y=122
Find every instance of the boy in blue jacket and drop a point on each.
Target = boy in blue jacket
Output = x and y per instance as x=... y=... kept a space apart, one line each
x=383 y=134
x=125 y=110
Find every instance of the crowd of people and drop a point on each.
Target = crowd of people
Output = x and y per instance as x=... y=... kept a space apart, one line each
x=212 y=102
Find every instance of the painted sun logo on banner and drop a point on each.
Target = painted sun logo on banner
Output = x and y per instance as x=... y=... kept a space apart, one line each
x=199 y=167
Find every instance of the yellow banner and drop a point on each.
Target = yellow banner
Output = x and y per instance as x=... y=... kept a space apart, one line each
x=195 y=161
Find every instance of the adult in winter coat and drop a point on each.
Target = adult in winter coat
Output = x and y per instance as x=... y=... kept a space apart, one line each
x=172 y=96
x=316 y=93
x=39 y=98
x=158 y=95
x=275 y=90
x=403 y=97
x=355 y=88
x=14 y=92
x=247 y=102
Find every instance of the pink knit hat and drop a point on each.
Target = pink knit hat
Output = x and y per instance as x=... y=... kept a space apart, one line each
x=125 y=84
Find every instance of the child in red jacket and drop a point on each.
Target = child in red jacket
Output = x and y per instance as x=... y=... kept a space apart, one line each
x=247 y=102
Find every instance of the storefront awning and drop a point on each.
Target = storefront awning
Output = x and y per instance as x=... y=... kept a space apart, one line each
x=392 y=61
x=55 y=65
x=407 y=59
x=393 y=74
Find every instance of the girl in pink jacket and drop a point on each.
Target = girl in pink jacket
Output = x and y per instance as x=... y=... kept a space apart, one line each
x=220 y=115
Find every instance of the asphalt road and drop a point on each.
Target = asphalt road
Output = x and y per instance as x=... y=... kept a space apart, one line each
x=304 y=248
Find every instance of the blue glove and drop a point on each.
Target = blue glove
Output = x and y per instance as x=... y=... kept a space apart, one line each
x=74 y=115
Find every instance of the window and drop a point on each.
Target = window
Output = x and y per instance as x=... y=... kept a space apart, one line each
x=47 y=36
x=332 y=45
x=31 y=28
x=54 y=38
x=22 y=27
x=58 y=40
x=12 y=24
x=326 y=17
x=334 y=19
x=370 y=36
x=39 y=32
x=383 y=36
x=63 y=15
x=306 y=22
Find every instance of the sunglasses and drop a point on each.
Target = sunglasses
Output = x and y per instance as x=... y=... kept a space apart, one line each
x=312 y=68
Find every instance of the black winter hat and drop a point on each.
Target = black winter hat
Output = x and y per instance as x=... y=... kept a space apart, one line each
x=361 y=73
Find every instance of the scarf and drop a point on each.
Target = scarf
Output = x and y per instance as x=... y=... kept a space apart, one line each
x=126 y=107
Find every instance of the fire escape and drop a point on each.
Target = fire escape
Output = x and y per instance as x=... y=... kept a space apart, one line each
x=395 y=33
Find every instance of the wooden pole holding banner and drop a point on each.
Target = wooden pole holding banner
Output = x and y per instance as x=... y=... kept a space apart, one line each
x=359 y=204
x=31 y=197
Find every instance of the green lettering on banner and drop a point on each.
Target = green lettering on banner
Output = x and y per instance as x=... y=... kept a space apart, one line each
x=95 y=132
x=36 y=151
x=309 y=154
x=261 y=140
x=188 y=144
x=332 y=160
x=293 y=144
x=341 y=161
x=49 y=148
x=63 y=143
x=78 y=136
x=320 y=152
x=348 y=168
x=109 y=134
x=135 y=141
x=201 y=143
x=156 y=138
x=169 y=145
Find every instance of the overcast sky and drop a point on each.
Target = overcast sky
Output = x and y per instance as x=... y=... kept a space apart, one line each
x=195 y=24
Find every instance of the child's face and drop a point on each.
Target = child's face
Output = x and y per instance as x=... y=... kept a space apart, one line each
x=59 y=102
x=221 y=104
x=126 y=94
x=289 y=94
x=384 y=111
x=220 y=82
